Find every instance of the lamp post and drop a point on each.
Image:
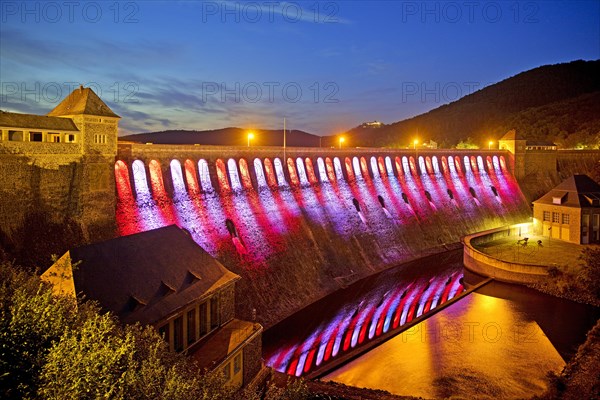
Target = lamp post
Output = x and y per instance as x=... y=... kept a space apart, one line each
x=250 y=137
x=490 y=143
x=415 y=143
x=342 y=139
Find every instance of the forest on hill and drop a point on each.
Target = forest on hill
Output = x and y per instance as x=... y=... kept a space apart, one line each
x=557 y=103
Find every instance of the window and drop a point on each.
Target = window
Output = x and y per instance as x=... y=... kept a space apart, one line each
x=70 y=138
x=546 y=215
x=15 y=136
x=566 y=218
x=35 y=136
x=191 y=326
x=214 y=313
x=178 y=334
x=227 y=371
x=100 y=139
x=237 y=363
x=164 y=332
x=203 y=319
x=556 y=217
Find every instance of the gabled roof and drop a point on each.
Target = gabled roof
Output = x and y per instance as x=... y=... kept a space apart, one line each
x=578 y=191
x=31 y=121
x=147 y=276
x=83 y=101
x=512 y=135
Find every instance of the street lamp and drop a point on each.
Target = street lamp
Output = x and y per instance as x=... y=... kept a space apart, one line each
x=342 y=139
x=415 y=143
x=490 y=143
x=250 y=137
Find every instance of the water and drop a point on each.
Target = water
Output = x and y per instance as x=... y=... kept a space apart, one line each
x=497 y=342
x=365 y=311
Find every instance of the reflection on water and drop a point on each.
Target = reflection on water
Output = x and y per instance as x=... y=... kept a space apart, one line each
x=491 y=345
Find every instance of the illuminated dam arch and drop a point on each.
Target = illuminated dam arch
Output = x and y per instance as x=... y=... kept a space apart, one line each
x=260 y=173
x=194 y=176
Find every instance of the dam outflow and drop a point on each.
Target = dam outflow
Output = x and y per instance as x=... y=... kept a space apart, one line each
x=301 y=223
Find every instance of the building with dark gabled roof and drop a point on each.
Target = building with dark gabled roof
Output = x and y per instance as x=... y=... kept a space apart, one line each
x=570 y=211
x=163 y=278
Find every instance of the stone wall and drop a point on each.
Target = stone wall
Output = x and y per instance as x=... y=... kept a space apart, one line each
x=487 y=265
x=252 y=358
x=227 y=304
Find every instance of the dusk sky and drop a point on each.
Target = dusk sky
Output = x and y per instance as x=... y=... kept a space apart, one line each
x=325 y=66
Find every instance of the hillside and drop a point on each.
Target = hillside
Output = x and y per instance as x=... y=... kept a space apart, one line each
x=554 y=102
x=229 y=137
x=558 y=103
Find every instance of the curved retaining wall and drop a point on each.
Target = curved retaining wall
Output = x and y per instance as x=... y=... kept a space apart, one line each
x=487 y=265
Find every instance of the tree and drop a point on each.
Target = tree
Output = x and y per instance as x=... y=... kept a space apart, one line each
x=591 y=259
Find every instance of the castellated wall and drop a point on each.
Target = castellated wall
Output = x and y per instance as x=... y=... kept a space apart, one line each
x=53 y=197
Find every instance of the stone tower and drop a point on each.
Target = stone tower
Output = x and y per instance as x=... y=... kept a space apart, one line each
x=515 y=145
x=98 y=125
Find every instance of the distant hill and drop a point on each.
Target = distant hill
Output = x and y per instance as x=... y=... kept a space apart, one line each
x=229 y=137
x=560 y=103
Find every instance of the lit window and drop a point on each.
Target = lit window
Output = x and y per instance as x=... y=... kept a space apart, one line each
x=237 y=363
x=556 y=217
x=227 y=371
x=566 y=218
x=546 y=215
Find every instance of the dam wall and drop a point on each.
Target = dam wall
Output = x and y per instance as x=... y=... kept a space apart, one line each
x=300 y=225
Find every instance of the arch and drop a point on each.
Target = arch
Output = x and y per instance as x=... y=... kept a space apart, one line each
x=490 y=165
x=260 y=173
x=349 y=169
x=191 y=177
x=270 y=172
x=389 y=166
x=502 y=163
x=405 y=165
x=467 y=163
x=436 y=165
x=429 y=165
x=339 y=172
x=413 y=166
x=496 y=163
x=330 y=169
x=422 y=169
x=356 y=168
x=222 y=175
x=480 y=165
x=322 y=171
x=234 y=175
x=156 y=178
x=381 y=164
x=451 y=165
x=177 y=176
x=122 y=181
x=292 y=172
x=310 y=171
x=458 y=164
x=399 y=163
x=204 y=174
x=279 y=172
x=444 y=165
x=301 y=171
x=374 y=167
x=245 y=174
x=139 y=178
x=474 y=165
x=364 y=167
